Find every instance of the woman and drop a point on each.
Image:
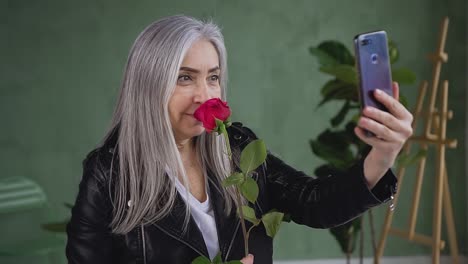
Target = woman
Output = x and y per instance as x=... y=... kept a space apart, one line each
x=151 y=193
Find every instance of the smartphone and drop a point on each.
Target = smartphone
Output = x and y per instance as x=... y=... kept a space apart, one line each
x=373 y=67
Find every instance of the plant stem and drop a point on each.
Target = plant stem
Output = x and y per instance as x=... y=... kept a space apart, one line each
x=361 y=242
x=226 y=139
x=238 y=198
x=371 y=222
x=244 y=230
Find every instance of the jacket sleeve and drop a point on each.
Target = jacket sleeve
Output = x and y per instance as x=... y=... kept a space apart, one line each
x=323 y=202
x=89 y=237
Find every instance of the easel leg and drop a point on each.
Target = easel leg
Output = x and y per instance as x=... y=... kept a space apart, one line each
x=439 y=178
x=448 y=211
x=389 y=216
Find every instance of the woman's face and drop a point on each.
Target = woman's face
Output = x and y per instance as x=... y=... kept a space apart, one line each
x=197 y=82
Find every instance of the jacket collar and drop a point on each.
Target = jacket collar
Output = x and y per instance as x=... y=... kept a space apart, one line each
x=227 y=225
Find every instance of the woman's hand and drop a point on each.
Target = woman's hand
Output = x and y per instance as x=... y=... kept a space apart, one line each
x=248 y=260
x=391 y=130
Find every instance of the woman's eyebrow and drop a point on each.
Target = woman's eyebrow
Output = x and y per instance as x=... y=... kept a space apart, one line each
x=197 y=71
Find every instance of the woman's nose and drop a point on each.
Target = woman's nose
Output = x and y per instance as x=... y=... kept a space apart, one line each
x=202 y=93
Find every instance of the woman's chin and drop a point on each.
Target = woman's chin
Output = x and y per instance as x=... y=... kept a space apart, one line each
x=197 y=131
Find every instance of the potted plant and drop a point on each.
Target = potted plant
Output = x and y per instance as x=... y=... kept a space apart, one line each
x=337 y=145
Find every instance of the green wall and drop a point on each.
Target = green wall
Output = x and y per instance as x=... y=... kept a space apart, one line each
x=61 y=65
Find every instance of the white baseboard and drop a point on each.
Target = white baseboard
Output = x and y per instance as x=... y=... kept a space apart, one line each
x=385 y=260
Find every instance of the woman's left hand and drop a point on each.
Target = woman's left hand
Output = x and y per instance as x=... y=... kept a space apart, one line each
x=391 y=130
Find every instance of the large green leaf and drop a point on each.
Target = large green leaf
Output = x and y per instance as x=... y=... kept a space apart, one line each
x=404 y=160
x=333 y=147
x=217 y=259
x=201 y=260
x=403 y=76
x=347 y=234
x=57 y=227
x=253 y=155
x=337 y=51
x=346 y=73
x=249 y=189
x=338 y=90
x=323 y=57
x=403 y=100
x=326 y=170
x=338 y=119
x=393 y=52
x=272 y=222
x=235 y=179
x=249 y=214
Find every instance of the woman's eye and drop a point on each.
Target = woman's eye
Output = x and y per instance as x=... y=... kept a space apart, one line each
x=214 y=77
x=184 y=78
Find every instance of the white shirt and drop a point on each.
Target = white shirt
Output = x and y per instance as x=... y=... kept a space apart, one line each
x=203 y=214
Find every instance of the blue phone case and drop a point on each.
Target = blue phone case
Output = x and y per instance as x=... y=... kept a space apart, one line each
x=373 y=66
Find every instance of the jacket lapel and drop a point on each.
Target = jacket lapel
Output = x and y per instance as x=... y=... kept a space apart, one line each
x=226 y=225
x=173 y=225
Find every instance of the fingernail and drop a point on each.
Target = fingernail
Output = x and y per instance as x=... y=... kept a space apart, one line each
x=378 y=91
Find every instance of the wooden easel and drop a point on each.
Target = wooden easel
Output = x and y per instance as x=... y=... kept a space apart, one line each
x=434 y=134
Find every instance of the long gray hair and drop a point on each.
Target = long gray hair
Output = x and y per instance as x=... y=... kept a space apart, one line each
x=146 y=145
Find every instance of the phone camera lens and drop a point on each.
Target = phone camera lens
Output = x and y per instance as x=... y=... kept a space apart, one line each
x=374 y=58
x=365 y=42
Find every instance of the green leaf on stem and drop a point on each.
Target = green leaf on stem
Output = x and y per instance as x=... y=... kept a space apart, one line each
x=347 y=234
x=249 y=214
x=332 y=52
x=234 y=262
x=338 y=119
x=272 y=222
x=201 y=260
x=58 y=227
x=338 y=90
x=249 y=189
x=345 y=73
x=219 y=126
x=326 y=170
x=404 y=160
x=235 y=179
x=334 y=147
x=403 y=100
x=393 y=52
x=217 y=259
x=253 y=155
x=323 y=57
x=403 y=76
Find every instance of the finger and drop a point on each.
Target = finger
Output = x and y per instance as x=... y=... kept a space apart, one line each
x=369 y=140
x=396 y=91
x=378 y=129
x=395 y=107
x=386 y=119
x=248 y=260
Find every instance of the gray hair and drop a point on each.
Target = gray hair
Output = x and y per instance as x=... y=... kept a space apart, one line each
x=146 y=144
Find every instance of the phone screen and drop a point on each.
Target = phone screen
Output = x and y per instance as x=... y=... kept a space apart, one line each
x=373 y=67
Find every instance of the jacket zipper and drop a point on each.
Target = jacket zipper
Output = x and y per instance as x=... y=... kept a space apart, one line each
x=232 y=241
x=144 y=243
x=183 y=242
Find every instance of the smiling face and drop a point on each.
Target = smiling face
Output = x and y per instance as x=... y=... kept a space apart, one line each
x=198 y=81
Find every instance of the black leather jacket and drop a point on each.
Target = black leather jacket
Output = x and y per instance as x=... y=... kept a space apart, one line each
x=319 y=203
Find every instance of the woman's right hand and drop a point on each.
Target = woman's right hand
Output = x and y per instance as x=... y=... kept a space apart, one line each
x=248 y=260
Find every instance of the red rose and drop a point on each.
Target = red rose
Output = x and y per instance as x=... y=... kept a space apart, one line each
x=209 y=111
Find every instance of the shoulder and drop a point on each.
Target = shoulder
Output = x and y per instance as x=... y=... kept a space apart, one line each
x=240 y=135
x=100 y=161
